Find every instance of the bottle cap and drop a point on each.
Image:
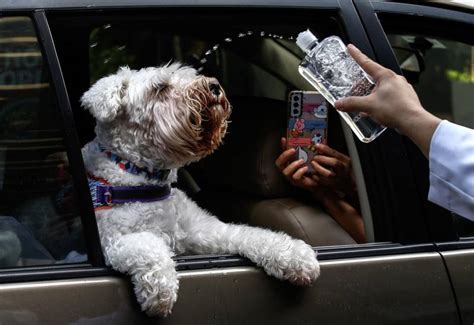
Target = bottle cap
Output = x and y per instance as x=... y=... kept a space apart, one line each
x=306 y=40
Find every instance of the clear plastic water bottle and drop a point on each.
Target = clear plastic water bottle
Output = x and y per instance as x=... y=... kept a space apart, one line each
x=335 y=74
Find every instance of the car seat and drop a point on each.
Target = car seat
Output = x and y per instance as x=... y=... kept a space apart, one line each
x=240 y=182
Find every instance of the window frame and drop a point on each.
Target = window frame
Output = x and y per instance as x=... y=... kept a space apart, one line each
x=86 y=210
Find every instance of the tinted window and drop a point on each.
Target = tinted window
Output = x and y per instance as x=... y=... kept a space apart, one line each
x=439 y=63
x=39 y=223
x=445 y=83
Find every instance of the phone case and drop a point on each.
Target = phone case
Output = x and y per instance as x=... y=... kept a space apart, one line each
x=307 y=123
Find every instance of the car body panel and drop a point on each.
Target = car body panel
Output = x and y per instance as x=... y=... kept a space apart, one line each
x=460 y=264
x=369 y=290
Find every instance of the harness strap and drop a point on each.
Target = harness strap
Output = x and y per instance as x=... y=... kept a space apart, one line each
x=107 y=195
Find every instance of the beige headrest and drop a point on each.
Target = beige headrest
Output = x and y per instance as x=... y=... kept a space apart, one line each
x=246 y=160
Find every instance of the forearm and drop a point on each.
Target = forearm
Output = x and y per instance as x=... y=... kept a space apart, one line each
x=420 y=127
x=345 y=215
x=351 y=195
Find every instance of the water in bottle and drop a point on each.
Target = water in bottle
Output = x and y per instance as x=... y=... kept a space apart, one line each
x=335 y=74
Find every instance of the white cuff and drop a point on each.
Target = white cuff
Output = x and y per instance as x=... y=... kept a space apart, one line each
x=451 y=160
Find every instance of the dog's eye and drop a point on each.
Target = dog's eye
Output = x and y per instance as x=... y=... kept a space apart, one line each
x=215 y=89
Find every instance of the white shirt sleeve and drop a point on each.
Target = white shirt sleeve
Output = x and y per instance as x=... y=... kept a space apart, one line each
x=452 y=169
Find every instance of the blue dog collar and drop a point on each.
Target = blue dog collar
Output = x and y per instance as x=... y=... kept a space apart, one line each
x=158 y=174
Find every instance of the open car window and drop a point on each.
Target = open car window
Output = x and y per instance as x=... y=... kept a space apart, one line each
x=255 y=58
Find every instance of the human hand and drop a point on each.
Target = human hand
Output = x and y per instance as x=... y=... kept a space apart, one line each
x=393 y=100
x=333 y=169
x=295 y=171
x=393 y=103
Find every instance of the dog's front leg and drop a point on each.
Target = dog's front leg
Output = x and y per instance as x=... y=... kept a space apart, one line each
x=280 y=255
x=147 y=259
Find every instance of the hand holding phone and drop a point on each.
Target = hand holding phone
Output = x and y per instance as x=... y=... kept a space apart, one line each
x=307 y=123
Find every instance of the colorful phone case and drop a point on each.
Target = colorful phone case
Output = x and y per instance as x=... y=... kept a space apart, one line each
x=307 y=123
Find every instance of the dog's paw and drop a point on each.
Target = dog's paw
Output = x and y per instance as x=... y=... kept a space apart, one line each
x=156 y=292
x=160 y=307
x=304 y=267
x=296 y=262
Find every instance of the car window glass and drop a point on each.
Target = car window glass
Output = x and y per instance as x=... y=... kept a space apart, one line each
x=442 y=72
x=449 y=63
x=39 y=223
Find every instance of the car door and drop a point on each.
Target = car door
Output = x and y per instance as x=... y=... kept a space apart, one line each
x=398 y=276
x=440 y=39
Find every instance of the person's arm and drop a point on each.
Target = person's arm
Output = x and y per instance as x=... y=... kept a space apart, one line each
x=345 y=214
x=452 y=169
x=393 y=103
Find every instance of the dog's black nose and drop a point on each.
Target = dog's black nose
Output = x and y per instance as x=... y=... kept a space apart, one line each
x=215 y=89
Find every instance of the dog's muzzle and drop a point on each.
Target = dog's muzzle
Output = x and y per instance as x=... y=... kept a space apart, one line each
x=215 y=89
x=210 y=112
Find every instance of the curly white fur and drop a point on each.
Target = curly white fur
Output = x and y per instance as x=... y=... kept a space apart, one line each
x=136 y=114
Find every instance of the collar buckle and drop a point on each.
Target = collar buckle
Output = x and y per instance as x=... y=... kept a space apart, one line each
x=108 y=197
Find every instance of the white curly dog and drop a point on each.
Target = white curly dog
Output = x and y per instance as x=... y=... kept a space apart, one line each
x=151 y=122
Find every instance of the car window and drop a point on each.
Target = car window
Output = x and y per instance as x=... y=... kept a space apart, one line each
x=255 y=58
x=440 y=66
x=39 y=223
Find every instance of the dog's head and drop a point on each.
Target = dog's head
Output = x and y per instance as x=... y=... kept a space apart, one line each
x=162 y=117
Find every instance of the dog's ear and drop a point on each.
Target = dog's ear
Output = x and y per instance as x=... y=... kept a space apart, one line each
x=104 y=98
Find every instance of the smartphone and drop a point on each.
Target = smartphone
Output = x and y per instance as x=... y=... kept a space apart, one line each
x=307 y=123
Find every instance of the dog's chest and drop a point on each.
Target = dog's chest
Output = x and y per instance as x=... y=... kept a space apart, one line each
x=160 y=218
